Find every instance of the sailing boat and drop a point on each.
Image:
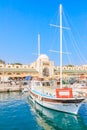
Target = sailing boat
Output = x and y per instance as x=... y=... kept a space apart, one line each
x=59 y=99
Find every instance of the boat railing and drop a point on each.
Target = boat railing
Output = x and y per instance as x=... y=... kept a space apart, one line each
x=79 y=93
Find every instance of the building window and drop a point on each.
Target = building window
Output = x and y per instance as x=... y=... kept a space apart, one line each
x=17 y=66
x=18 y=73
x=9 y=73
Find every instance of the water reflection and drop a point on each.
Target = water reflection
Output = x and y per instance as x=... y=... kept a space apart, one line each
x=83 y=113
x=53 y=120
x=15 y=112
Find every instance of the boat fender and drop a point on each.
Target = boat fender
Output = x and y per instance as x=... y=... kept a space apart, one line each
x=40 y=98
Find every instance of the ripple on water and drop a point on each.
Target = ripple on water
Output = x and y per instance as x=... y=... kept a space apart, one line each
x=18 y=113
x=15 y=113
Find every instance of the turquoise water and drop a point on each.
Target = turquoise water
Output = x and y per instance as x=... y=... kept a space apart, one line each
x=19 y=113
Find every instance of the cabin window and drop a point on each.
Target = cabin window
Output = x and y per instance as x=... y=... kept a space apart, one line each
x=46 y=84
x=37 y=83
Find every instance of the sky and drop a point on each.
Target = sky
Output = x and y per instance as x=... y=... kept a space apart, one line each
x=22 y=20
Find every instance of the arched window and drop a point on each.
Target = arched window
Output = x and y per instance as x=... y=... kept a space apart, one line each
x=17 y=66
x=46 y=72
x=9 y=73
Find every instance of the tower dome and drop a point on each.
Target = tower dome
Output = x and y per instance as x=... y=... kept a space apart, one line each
x=43 y=56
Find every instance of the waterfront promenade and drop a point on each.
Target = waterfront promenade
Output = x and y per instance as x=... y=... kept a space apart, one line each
x=7 y=87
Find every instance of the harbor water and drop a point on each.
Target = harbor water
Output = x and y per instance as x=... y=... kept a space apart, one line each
x=17 y=112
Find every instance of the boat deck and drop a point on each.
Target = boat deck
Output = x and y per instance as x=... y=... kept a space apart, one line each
x=51 y=91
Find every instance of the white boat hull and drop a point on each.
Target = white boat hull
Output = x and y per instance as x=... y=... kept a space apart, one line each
x=59 y=106
x=68 y=108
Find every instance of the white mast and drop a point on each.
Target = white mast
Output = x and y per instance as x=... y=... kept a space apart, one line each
x=39 y=52
x=60 y=26
x=60 y=46
x=3 y=75
x=38 y=45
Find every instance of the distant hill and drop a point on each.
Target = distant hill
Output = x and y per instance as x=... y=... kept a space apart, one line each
x=2 y=62
x=16 y=63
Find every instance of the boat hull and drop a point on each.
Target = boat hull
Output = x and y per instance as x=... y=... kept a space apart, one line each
x=64 y=105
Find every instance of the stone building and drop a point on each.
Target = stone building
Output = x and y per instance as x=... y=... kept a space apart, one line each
x=44 y=66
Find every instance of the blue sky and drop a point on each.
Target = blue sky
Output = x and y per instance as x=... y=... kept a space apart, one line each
x=22 y=20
